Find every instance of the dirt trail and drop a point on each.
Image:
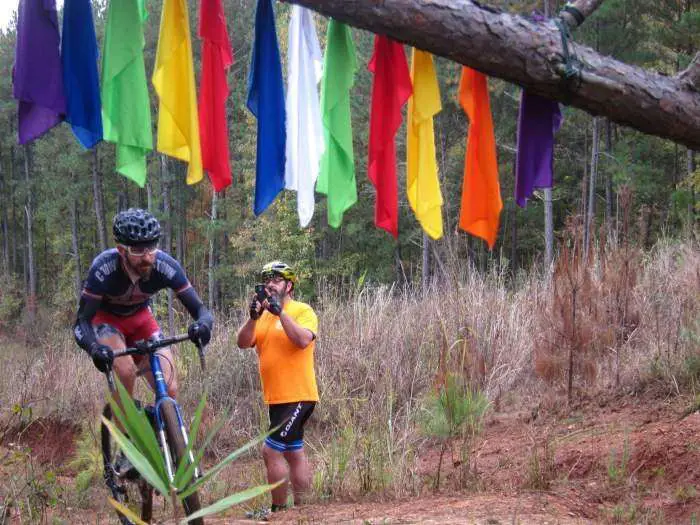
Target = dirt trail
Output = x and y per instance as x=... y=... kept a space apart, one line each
x=622 y=460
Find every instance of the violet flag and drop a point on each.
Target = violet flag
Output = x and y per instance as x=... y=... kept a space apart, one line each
x=539 y=120
x=37 y=78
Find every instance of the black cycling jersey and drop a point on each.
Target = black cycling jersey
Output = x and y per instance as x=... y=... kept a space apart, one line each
x=108 y=281
x=110 y=288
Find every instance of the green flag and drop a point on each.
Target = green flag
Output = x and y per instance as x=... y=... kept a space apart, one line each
x=126 y=111
x=337 y=174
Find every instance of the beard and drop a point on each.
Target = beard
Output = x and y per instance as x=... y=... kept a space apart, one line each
x=145 y=271
x=280 y=296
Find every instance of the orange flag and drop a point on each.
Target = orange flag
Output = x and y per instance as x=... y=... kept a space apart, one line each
x=481 y=192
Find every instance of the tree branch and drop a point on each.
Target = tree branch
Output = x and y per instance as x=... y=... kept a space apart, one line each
x=530 y=54
x=690 y=76
x=574 y=14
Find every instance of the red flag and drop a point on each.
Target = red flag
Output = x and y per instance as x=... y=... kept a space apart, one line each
x=213 y=92
x=481 y=192
x=391 y=89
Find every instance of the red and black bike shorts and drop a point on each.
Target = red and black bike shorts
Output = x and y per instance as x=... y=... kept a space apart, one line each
x=138 y=327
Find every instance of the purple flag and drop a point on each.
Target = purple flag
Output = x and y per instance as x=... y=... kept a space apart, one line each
x=539 y=119
x=37 y=76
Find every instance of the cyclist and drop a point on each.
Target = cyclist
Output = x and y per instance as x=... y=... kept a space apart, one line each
x=284 y=333
x=114 y=310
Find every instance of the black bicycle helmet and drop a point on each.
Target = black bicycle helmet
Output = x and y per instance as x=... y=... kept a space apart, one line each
x=135 y=226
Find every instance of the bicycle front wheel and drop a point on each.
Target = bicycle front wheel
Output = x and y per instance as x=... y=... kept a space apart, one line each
x=128 y=489
x=176 y=444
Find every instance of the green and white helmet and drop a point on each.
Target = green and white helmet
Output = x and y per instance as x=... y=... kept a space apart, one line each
x=278 y=268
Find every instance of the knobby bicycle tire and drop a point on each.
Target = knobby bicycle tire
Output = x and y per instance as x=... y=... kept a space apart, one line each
x=176 y=444
x=128 y=492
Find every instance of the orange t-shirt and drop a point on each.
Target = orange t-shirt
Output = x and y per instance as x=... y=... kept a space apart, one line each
x=286 y=371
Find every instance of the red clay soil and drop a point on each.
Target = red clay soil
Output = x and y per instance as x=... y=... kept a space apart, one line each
x=624 y=460
x=49 y=441
x=617 y=460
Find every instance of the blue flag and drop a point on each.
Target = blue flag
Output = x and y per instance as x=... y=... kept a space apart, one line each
x=81 y=81
x=266 y=102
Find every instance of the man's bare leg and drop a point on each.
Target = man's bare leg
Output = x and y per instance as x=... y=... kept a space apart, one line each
x=299 y=474
x=276 y=467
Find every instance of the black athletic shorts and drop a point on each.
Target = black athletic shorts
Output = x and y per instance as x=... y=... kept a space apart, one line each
x=290 y=418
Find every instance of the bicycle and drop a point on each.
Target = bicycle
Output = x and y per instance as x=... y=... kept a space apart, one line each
x=166 y=417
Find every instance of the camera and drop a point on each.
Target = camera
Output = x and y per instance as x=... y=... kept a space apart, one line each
x=261 y=293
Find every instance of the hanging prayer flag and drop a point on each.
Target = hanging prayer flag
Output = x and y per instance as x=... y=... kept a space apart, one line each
x=422 y=184
x=336 y=177
x=81 y=81
x=217 y=57
x=173 y=79
x=266 y=103
x=304 y=127
x=126 y=112
x=538 y=121
x=481 y=192
x=390 y=91
x=36 y=75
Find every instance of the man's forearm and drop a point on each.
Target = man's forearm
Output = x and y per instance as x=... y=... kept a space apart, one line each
x=301 y=337
x=246 y=334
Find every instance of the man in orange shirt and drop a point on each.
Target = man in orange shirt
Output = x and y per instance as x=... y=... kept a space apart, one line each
x=283 y=332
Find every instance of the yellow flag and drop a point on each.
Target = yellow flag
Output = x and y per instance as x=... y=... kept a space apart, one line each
x=422 y=183
x=173 y=79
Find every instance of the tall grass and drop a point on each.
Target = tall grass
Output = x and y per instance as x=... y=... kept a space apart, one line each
x=382 y=349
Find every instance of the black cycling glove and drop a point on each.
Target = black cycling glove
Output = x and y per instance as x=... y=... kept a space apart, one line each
x=102 y=357
x=255 y=309
x=273 y=305
x=199 y=333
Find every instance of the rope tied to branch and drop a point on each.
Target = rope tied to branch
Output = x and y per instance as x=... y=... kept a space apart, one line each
x=572 y=64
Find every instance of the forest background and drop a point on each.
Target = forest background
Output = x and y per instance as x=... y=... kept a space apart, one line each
x=614 y=305
x=69 y=195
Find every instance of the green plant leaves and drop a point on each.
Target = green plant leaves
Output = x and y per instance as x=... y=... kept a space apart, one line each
x=141 y=448
x=231 y=500
x=138 y=460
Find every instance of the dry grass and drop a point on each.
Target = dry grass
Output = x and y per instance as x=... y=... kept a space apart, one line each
x=381 y=349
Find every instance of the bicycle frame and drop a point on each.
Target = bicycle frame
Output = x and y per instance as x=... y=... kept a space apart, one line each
x=161 y=393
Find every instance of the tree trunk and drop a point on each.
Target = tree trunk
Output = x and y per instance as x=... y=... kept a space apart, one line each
x=75 y=243
x=548 y=230
x=168 y=231
x=425 y=267
x=29 y=214
x=590 y=212
x=691 y=204
x=609 y=196
x=212 y=254
x=13 y=228
x=3 y=219
x=548 y=211
x=149 y=196
x=514 y=237
x=530 y=54
x=181 y=220
x=98 y=200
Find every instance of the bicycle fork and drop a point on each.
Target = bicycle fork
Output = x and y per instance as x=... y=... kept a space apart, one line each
x=162 y=397
x=170 y=465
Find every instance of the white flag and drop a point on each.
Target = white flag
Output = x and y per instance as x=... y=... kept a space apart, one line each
x=304 y=128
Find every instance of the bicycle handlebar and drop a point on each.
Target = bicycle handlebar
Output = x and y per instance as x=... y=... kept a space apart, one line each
x=150 y=347
x=146 y=347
